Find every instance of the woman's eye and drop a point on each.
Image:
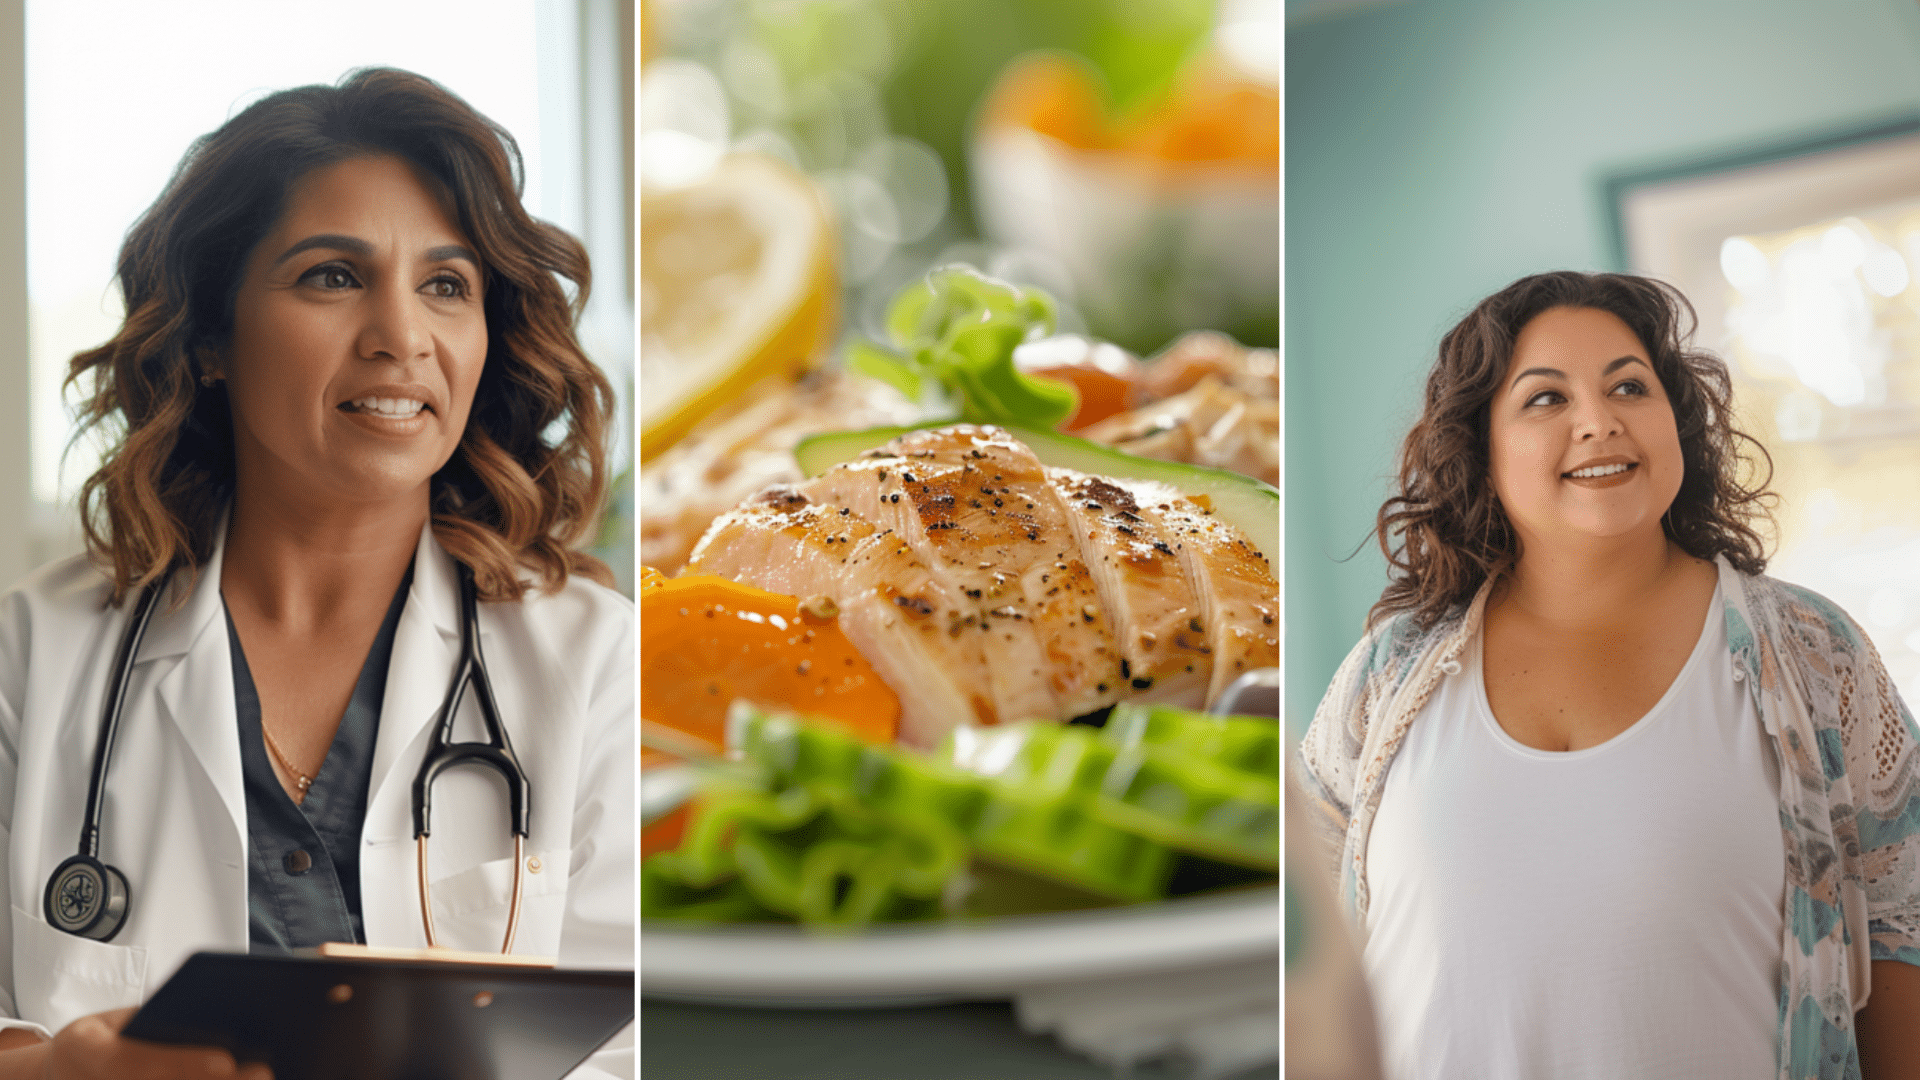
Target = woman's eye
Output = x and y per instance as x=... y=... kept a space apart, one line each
x=446 y=287
x=1544 y=397
x=329 y=276
x=1631 y=388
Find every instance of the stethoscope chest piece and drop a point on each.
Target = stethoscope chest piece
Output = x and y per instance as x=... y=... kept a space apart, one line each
x=87 y=898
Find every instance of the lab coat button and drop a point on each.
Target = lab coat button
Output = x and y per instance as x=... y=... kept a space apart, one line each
x=533 y=864
x=299 y=862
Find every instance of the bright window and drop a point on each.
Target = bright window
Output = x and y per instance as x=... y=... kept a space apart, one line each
x=1804 y=265
x=1823 y=323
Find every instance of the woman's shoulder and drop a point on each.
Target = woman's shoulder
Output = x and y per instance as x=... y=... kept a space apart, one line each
x=46 y=617
x=70 y=587
x=1781 y=607
x=582 y=623
x=575 y=643
x=581 y=600
x=1387 y=653
x=1396 y=642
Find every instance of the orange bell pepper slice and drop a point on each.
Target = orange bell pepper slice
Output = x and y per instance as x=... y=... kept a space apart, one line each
x=705 y=641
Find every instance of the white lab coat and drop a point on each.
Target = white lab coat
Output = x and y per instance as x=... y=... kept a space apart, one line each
x=174 y=819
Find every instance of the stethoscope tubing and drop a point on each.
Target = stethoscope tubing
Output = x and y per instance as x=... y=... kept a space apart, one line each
x=110 y=712
x=496 y=753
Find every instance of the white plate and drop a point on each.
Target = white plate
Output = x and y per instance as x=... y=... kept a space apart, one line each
x=919 y=963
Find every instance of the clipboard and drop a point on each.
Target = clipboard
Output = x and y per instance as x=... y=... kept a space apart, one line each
x=368 y=1018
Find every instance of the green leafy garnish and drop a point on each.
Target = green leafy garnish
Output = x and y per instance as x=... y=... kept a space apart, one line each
x=955 y=330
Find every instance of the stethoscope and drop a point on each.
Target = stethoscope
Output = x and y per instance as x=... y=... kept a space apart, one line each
x=90 y=899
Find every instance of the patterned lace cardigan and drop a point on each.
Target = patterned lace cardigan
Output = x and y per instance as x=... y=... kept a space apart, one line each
x=1849 y=789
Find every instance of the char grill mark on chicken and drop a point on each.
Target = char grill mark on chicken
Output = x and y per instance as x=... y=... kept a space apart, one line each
x=1143 y=583
x=974 y=503
x=1235 y=585
x=1000 y=507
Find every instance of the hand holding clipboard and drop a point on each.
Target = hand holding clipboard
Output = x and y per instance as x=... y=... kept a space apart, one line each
x=93 y=1047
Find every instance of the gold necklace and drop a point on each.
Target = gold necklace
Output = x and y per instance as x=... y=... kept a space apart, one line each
x=300 y=779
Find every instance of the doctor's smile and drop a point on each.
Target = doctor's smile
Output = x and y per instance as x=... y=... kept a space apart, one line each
x=398 y=410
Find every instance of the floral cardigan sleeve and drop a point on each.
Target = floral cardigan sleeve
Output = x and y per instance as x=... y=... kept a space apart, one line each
x=1849 y=789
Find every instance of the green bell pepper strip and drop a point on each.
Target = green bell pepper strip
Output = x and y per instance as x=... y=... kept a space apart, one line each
x=1062 y=838
x=788 y=853
x=1037 y=823
x=1150 y=772
x=665 y=895
x=705 y=856
x=835 y=832
x=1201 y=783
x=1247 y=744
x=786 y=830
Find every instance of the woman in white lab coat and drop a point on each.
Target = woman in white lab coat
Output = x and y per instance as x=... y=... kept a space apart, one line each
x=347 y=371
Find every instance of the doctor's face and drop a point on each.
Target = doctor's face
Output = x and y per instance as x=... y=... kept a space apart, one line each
x=359 y=333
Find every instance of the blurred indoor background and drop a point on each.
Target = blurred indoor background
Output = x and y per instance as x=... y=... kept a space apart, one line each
x=1764 y=155
x=892 y=108
x=112 y=92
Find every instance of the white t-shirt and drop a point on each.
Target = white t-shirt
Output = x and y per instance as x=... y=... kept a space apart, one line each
x=1599 y=913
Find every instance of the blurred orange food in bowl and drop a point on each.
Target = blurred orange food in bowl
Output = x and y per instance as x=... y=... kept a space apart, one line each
x=1212 y=113
x=1055 y=94
x=1163 y=219
x=1215 y=115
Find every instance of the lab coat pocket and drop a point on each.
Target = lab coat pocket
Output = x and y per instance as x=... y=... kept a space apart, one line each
x=470 y=907
x=58 y=978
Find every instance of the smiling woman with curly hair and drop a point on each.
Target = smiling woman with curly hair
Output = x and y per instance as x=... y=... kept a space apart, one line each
x=506 y=501
x=353 y=441
x=1608 y=801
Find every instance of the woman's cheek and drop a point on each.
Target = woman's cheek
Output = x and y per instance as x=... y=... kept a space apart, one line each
x=474 y=354
x=1526 y=462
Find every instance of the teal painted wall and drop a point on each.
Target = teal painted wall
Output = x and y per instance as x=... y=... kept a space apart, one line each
x=1438 y=149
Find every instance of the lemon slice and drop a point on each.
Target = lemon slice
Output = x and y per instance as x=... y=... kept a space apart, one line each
x=737 y=283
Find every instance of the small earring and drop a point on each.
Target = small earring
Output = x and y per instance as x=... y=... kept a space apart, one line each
x=208 y=380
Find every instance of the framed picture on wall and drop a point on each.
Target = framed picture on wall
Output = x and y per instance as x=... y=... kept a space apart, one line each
x=1802 y=261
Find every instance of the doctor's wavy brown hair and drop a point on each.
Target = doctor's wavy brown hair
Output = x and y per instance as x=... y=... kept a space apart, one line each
x=1444 y=533
x=525 y=485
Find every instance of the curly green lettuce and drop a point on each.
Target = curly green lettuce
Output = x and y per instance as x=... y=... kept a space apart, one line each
x=953 y=333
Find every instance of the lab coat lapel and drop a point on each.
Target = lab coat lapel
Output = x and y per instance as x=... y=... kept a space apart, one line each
x=426 y=645
x=196 y=694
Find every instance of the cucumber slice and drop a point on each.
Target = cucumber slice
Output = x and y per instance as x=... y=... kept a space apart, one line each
x=1240 y=501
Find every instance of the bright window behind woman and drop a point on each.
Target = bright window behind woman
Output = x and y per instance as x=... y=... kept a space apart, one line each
x=115 y=89
x=1823 y=322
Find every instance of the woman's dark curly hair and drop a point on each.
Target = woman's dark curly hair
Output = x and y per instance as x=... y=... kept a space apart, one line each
x=1444 y=533
x=529 y=477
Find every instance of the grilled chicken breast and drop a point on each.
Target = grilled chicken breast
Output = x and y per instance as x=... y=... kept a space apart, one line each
x=985 y=587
